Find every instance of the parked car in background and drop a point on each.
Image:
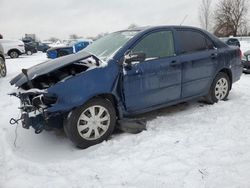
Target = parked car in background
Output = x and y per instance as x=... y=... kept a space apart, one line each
x=30 y=48
x=12 y=48
x=38 y=45
x=246 y=62
x=28 y=40
x=233 y=42
x=3 y=70
x=124 y=74
x=42 y=47
x=56 y=52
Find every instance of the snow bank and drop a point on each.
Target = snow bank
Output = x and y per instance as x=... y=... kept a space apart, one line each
x=187 y=145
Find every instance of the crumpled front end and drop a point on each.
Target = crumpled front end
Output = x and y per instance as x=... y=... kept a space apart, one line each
x=33 y=105
x=45 y=91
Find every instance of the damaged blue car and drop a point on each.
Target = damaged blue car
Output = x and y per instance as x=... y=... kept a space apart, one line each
x=124 y=74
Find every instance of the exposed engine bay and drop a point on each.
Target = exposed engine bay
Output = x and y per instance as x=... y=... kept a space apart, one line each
x=35 y=98
x=47 y=80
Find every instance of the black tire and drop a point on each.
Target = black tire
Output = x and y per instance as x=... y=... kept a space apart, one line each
x=71 y=123
x=29 y=52
x=3 y=70
x=13 y=54
x=246 y=71
x=211 y=97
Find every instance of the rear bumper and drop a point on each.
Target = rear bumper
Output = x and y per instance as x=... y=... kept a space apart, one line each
x=236 y=72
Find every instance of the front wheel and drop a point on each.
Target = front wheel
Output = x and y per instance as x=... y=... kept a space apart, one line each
x=220 y=88
x=14 y=54
x=3 y=70
x=91 y=124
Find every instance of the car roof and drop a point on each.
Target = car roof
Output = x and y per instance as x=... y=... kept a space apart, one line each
x=145 y=28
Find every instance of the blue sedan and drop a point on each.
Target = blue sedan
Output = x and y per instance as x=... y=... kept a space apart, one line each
x=56 y=52
x=124 y=74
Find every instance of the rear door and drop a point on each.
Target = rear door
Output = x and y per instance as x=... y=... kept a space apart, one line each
x=157 y=80
x=199 y=59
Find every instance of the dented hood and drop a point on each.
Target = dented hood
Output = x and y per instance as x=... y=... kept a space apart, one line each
x=47 y=67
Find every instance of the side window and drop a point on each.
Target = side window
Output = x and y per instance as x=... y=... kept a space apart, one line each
x=156 y=45
x=192 y=41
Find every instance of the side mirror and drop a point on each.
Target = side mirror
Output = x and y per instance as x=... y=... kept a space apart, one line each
x=133 y=57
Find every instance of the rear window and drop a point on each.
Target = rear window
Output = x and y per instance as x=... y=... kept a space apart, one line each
x=192 y=41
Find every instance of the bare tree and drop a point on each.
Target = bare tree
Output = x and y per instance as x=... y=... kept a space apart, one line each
x=205 y=14
x=100 y=35
x=132 y=26
x=53 y=39
x=231 y=17
x=74 y=36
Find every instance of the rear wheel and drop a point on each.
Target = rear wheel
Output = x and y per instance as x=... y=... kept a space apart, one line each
x=14 y=54
x=220 y=88
x=29 y=52
x=3 y=70
x=91 y=124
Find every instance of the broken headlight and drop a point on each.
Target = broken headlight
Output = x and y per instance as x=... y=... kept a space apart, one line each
x=44 y=100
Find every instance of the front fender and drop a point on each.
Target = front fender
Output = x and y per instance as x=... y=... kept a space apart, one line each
x=77 y=90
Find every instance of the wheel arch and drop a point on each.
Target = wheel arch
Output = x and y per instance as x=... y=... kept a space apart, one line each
x=112 y=98
x=14 y=49
x=229 y=74
x=107 y=96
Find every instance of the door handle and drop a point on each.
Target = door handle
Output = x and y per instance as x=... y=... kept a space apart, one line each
x=214 y=55
x=174 y=63
x=137 y=72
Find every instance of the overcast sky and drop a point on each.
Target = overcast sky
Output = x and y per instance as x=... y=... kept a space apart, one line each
x=60 y=18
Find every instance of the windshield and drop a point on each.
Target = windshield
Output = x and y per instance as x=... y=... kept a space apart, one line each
x=106 y=47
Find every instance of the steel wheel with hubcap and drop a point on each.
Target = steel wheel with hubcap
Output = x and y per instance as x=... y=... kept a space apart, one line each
x=220 y=88
x=92 y=123
x=3 y=70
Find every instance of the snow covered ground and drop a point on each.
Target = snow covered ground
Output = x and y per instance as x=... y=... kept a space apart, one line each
x=188 y=145
x=245 y=45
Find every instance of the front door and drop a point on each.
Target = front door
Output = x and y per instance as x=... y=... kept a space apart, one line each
x=157 y=80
